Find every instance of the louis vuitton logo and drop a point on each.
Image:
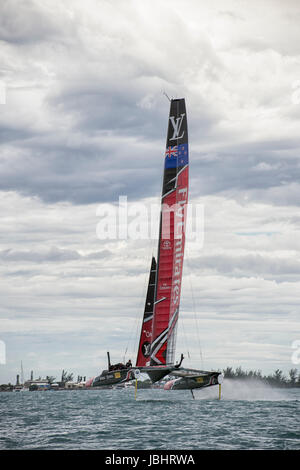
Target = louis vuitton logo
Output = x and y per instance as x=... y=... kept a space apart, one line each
x=177 y=126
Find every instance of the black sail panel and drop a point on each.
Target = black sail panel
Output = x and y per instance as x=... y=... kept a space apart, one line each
x=146 y=330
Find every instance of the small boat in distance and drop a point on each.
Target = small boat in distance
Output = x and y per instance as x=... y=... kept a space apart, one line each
x=156 y=351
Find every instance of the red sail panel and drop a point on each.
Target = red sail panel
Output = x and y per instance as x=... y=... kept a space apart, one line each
x=146 y=330
x=171 y=238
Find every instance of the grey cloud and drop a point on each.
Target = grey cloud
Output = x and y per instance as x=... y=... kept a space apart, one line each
x=83 y=172
x=235 y=174
x=115 y=104
x=108 y=117
x=249 y=265
x=23 y=22
x=87 y=173
x=53 y=254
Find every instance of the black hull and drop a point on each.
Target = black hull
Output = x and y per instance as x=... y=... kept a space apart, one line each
x=111 y=377
x=191 y=383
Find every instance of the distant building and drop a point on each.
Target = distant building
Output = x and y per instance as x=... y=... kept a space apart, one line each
x=35 y=385
x=74 y=385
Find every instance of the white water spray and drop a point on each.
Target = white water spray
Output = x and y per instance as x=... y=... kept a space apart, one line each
x=247 y=390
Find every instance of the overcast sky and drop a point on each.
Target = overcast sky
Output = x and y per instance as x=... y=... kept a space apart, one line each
x=83 y=121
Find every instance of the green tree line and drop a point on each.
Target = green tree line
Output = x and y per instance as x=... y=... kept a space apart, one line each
x=275 y=379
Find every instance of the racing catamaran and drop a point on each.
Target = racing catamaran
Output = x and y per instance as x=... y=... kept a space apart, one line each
x=156 y=351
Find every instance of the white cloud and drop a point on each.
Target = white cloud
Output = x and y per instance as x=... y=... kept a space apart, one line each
x=85 y=121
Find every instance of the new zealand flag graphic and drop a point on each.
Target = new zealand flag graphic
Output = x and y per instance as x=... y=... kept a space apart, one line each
x=176 y=156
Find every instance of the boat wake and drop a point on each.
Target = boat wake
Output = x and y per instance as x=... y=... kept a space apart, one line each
x=247 y=390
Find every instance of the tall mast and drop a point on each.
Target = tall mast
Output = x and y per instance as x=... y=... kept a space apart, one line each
x=22 y=373
x=171 y=237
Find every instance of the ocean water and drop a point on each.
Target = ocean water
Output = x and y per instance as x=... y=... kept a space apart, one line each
x=248 y=416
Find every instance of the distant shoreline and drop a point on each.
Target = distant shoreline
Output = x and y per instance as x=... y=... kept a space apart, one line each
x=277 y=379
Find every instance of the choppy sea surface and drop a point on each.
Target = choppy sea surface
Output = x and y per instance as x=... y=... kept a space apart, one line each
x=248 y=416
